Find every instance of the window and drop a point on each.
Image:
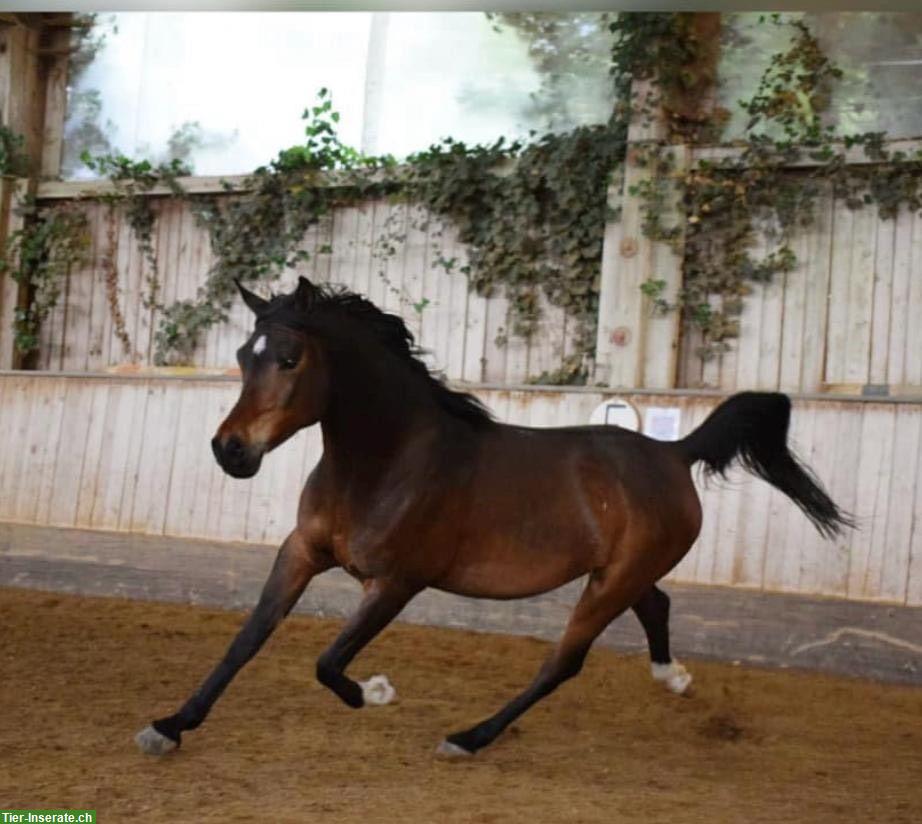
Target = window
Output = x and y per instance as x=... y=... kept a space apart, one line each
x=225 y=91
x=880 y=54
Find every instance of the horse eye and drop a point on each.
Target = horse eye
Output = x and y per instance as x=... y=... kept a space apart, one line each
x=288 y=363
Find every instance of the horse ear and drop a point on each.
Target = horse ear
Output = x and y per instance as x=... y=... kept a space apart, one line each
x=305 y=293
x=254 y=301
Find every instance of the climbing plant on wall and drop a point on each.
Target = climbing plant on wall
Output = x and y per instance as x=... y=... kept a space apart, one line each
x=38 y=258
x=533 y=213
x=755 y=192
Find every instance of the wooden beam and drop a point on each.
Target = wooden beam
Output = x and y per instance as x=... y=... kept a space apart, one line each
x=57 y=60
x=854 y=156
x=632 y=348
x=8 y=286
x=77 y=189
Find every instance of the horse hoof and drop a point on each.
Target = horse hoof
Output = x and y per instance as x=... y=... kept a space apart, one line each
x=449 y=750
x=151 y=742
x=673 y=676
x=377 y=690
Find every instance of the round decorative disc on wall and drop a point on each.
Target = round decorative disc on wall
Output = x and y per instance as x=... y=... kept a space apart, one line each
x=617 y=412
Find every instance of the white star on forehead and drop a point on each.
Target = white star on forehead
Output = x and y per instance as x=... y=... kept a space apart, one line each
x=259 y=345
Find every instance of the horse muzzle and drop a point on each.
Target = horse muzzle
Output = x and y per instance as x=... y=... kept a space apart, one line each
x=236 y=458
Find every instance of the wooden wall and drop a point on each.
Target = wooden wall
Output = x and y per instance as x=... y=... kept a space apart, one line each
x=844 y=319
x=457 y=326
x=848 y=315
x=132 y=454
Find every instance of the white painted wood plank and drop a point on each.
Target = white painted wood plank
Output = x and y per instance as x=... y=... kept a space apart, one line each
x=606 y=351
x=474 y=368
x=860 y=296
x=516 y=348
x=363 y=263
x=381 y=219
x=90 y=477
x=842 y=481
x=79 y=303
x=840 y=279
x=140 y=393
x=342 y=260
x=913 y=368
x=494 y=336
x=900 y=319
x=914 y=576
x=114 y=454
x=546 y=350
x=33 y=436
x=794 y=317
x=771 y=328
x=71 y=447
x=156 y=463
x=874 y=475
x=415 y=265
x=818 y=268
x=99 y=315
x=437 y=317
x=390 y=253
x=814 y=443
x=458 y=301
x=882 y=301
x=747 y=348
x=900 y=513
x=192 y=453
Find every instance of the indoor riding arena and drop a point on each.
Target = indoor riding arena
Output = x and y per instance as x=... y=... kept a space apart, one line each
x=517 y=418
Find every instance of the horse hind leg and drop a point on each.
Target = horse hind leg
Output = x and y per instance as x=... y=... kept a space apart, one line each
x=606 y=596
x=653 y=611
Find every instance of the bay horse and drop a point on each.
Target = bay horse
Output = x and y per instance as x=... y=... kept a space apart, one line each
x=419 y=486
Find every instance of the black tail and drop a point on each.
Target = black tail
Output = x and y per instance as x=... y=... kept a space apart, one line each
x=752 y=428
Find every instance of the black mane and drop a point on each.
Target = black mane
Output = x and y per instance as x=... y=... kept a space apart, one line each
x=312 y=302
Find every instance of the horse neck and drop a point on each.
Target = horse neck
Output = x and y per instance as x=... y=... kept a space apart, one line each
x=377 y=404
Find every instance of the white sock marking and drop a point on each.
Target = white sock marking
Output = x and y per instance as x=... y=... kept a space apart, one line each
x=151 y=742
x=377 y=690
x=450 y=750
x=672 y=675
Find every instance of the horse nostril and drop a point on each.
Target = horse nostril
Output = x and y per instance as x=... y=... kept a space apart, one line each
x=234 y=447
x=236 y=457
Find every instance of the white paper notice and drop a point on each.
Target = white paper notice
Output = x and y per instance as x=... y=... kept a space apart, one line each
x=662 y=422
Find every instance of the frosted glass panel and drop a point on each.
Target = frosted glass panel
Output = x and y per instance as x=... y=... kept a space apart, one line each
x=880 y=54
x=226 y=90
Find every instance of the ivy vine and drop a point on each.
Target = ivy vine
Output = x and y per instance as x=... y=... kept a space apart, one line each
x=729 y=203
x=38 y=257
x=532 y=214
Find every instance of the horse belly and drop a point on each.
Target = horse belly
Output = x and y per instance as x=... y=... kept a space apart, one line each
x=521 y=560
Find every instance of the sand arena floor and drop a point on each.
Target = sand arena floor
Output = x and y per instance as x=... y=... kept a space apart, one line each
x=81 y=675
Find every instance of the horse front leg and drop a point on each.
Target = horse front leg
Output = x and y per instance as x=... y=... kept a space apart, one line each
x=383 y=601
x=295 y=565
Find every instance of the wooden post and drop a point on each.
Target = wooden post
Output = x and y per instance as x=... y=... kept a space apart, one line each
x=22 y=97
x=33 y=88
x=13 y=295
x=633 y=348
x=54 y=82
